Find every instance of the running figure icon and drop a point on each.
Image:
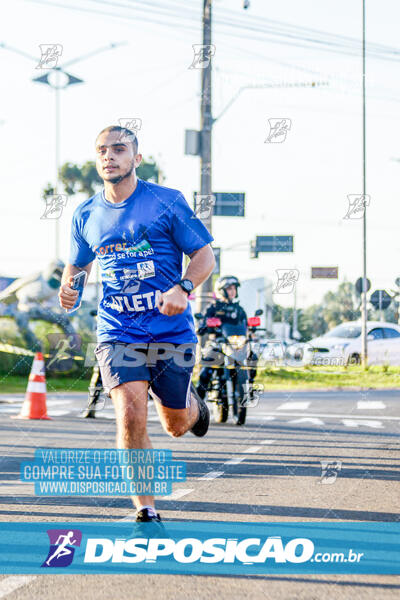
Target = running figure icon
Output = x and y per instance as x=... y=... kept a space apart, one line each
x=62 y=549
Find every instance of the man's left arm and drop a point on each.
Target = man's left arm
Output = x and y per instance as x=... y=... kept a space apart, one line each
x=174 y=301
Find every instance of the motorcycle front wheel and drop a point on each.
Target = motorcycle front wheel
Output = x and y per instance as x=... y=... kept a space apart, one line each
x=220 y=405
x=220 y=411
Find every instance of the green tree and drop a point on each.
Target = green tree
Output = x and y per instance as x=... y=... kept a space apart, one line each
x=311 y=322
x=150 y=171
x=341 y=305
x=84 y=179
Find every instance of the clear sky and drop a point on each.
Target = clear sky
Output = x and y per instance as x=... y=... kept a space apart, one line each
x=296 y=187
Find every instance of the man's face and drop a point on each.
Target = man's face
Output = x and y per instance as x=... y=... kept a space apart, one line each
x=115 y=157
x=231 y=291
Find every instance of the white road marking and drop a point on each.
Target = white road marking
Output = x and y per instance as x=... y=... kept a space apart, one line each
x=130 y=517
x=235 y=461
x=105 y=415
x=14 y=409
x=178 y=494
x=370 y=404
x=363 y=423
x=252 y=449
x=322 y=415
x=211 y=475
x=58 y=413
x=294 y=405
x=312 y=420
x=54 y=402
x=9 y=584
x=267 y=441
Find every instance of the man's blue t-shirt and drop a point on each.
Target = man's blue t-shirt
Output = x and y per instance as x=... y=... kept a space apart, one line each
x=139 y=244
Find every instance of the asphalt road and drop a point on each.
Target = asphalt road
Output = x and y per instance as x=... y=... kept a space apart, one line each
x=268 y=470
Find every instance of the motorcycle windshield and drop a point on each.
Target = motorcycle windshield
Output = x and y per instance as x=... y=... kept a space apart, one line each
x=231 y=329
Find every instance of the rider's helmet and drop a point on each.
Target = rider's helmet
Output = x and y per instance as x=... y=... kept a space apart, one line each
x=53 y=273
x=224 y=282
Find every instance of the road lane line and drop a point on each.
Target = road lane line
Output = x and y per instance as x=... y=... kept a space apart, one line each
x=294 y=405
x=322 y=415
x=235 y=461
x=10 y=584
x=312 y=420
x=211 y=475
x=179 y=494
x=370 y=404
x=268 y=442
x=252 y=449
x=363 y=423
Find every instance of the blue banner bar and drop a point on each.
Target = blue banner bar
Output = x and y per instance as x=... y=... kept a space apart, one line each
x=217 y=548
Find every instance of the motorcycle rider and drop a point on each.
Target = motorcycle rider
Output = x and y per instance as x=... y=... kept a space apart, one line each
x=227 y=308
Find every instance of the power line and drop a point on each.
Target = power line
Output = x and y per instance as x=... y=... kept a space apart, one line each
x=288 y=34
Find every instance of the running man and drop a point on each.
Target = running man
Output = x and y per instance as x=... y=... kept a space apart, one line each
x=62 y=549
x=139 y=232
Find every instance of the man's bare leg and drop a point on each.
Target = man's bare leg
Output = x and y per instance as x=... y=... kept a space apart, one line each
x=130 y=403
x=177 y=421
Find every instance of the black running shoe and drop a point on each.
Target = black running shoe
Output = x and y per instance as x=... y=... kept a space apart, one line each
x=201 y=427
x=148 y=525
x=143 y=516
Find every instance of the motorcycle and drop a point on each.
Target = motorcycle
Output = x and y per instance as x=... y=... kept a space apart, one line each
x=228 y=353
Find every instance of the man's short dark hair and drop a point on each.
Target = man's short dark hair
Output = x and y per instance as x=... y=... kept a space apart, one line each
x=126 y=135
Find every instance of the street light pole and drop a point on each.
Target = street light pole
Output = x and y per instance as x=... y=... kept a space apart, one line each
x=57 y=86
x=364 y=314
x=57 y=156
x=205 y=289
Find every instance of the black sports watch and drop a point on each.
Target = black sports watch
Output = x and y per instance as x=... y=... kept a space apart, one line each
x=186 y=285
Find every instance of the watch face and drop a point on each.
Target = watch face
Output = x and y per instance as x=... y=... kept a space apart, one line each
x=187 y=285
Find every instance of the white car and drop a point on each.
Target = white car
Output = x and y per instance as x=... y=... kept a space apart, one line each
x=342 y=345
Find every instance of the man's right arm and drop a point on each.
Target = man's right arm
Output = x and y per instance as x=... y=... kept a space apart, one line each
x=67 y=296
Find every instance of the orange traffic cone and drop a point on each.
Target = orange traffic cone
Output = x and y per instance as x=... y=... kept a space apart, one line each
x=34 y=406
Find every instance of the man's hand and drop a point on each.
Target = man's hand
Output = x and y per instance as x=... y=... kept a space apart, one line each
x=173 y=301
x=66 y=295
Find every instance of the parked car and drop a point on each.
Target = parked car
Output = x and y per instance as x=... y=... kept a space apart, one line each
x=342 y=345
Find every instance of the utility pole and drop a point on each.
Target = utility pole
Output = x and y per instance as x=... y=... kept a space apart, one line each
x=364 y=314
x=205 y=289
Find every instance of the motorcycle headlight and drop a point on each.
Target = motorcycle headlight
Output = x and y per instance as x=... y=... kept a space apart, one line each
x=237 y=341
